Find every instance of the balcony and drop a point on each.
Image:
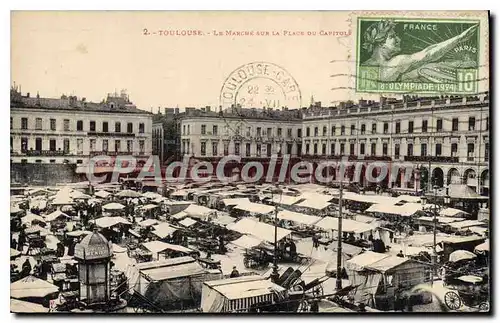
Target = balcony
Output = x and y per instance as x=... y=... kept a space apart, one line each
x=110 y=134
x=434 y=159
x=46 y=153
x=111 y=153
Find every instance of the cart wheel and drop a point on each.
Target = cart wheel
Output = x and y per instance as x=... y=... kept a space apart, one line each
x=245 y=262
x=317 y=291
x=484 y=307
x=452 y=300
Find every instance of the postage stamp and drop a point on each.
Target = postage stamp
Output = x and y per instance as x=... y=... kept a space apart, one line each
x=260 y=84
x=413 y=55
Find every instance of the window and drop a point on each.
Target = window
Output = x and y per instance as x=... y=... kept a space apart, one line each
x=289 y=148
x=269 y=132
x=24 y=144
x=38 y=144
x=438 y=149
x=374 y=128
x=472 y=123
x=487 y=123
x=351 y=149
x=52 y=161
x=11 y=144
x=203 y=129
x=386 y=127
x=269 y=150
x=470 y=152
x=424 y=125
x=215 y=148
x=384 y=149
x=226 y=148
x=118 y=127
x=79 y=125
x=398 y=127
x=374 y=149
x=363 y=129
x=141 y=146
x=396 y=151
x=117 y=145
x=454 y=148
x=410 y=126
x=486 y=151
x=141 y=128
x=454 y=124
x=342 y=148
x=315 y=149
x=79 y=146
x=289 y=132
x=323 y=149
x=24 y=123
x=105 y=126
x=410 y=150
x=105 y=145
x=308 y=132
x=299 y=133
x=52 y=124
x=279 y=132
x=307 y=149
x=333 y=130
x=130 y=127
x=299 y=149
x=259 y=150
x=342 y=130
x=184 y=129
x=130 y=145
x=439 y=125
x=259 y=131
x=11 y=122
x=66 y=124
x=423 y=150
x=203 y=151
x=52 y=145
x=325 y=131
x=362 y=148
x=215 y=130
x=247 y=150
x=38 y=123
x=315 y=131
x=92 y=144
x=92 y=126
x=353 y=127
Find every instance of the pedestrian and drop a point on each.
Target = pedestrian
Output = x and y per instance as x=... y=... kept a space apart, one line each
x=13 y=244
x=391 y=236
x=26 y=269
x=400 y=254
x=234 y=273
x=315 y=241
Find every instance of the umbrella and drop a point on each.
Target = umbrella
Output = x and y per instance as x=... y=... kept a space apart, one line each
x=460 y=255
x=31 y=287
x=485 y=246
x=17 y=306
x=56 y=214
x=80 y=196
x=152 y=195
x=470 y=279
x=78 y=233
x=129 y=193
x=113 y=206
x=102 y=194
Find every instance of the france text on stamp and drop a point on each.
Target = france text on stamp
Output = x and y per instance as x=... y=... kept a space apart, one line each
x=260 y=84
x=417 y=55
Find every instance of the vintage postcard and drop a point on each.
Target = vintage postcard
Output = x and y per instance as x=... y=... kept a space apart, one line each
x=250 y=162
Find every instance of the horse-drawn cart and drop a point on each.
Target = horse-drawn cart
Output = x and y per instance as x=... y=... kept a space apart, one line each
x=472 y=292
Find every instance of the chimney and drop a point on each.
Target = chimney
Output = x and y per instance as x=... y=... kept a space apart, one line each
x=28 y=95
x=207 y=108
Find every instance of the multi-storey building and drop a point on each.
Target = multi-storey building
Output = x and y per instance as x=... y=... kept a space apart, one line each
x=166 y=134
x=447 y=137
x=70 y=130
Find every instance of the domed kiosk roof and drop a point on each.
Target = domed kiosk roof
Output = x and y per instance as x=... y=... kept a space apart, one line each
x=93 y=247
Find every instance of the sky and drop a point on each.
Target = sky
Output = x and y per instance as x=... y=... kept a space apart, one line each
x=90 y=54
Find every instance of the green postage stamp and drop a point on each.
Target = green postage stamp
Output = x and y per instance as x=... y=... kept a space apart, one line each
x=417 y=55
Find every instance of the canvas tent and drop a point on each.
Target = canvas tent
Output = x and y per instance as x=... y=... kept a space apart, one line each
x=259 y=230
x=167 y=282
x=238 y=294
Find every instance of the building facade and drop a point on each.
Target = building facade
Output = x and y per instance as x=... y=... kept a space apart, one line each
x=71 y=131
x=445 y=139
